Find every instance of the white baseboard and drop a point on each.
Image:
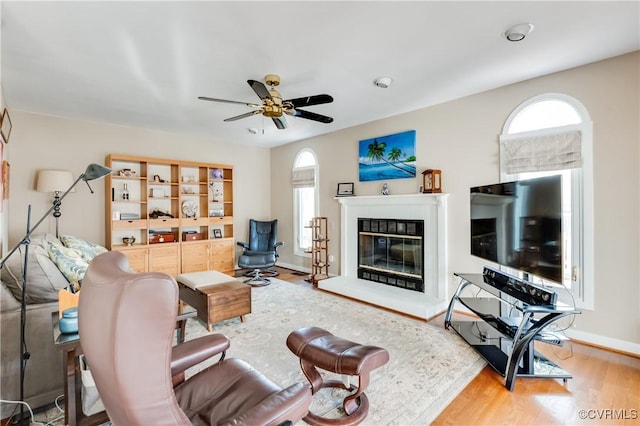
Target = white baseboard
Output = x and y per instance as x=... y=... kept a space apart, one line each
x=298 y=268
x=294 y=267
x=604 y=342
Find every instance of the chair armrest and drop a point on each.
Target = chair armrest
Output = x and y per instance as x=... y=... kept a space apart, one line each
x=243 y=245
x=291 y=404
x=258 y=253
x=188 y=354
x=278 y=244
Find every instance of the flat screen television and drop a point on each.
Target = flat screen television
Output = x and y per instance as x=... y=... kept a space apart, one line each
x=519 y=225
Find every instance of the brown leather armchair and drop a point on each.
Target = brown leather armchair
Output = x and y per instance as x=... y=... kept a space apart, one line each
x=126 y=323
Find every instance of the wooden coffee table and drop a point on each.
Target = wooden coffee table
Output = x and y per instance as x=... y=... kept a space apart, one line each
x=215 y=296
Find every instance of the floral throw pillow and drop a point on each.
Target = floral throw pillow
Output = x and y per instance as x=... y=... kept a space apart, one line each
x=86 y=249
x=72 y=265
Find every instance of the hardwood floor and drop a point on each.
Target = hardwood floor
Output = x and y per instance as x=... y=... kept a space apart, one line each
x=605 y=386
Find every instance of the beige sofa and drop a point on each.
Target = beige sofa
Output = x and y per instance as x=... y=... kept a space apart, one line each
x=43 y=372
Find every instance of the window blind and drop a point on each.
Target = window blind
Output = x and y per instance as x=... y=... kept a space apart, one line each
x=554 y=151
x=303 y=177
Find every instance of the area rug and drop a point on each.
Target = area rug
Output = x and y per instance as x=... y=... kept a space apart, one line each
x=428 y=365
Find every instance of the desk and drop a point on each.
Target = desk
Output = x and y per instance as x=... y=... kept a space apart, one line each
x=69 y=344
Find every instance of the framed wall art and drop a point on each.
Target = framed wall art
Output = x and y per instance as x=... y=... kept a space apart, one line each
x=5 y=126
x=6 y=174
x=388 y=157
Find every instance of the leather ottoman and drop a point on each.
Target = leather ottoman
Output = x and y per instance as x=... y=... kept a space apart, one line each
x=318 y=348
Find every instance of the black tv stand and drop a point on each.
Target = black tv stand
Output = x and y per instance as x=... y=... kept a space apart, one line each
x=507 y=330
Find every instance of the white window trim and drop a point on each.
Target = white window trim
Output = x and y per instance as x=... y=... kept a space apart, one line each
x=299 y=251
x=583 y=293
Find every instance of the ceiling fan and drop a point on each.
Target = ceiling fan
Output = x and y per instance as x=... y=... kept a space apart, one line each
x=274 y=107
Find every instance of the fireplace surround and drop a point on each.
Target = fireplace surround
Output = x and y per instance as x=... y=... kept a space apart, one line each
x=429 y=208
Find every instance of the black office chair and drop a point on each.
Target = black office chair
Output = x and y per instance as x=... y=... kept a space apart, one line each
x=260 y=253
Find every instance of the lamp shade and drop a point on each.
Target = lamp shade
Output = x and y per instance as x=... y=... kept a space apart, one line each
x=95 y=171
x=54 y=181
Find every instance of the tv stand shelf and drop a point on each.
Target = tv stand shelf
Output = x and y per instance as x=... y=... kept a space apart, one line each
x=507 y=329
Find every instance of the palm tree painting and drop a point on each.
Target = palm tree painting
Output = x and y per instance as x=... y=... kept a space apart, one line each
x=388 y=157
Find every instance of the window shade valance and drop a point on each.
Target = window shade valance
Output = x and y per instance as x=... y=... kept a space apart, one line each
x=303 y=177
x=557 y=151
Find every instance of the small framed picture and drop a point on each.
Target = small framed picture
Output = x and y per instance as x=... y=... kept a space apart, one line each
x=5 y=126
x=217 y=233
x=345 y=189
x=216 y=174
x=157 y=193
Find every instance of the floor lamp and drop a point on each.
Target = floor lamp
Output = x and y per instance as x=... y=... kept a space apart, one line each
x=93 y=171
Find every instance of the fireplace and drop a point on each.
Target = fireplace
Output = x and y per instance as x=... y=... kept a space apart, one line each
x=429 y=214
x=390 y=252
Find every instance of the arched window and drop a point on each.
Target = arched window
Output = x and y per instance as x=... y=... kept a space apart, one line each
x=305 y=198
x=551 y=134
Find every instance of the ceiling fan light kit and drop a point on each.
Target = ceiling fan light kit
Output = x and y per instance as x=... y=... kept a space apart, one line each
x=274 y=107
x=518 y=32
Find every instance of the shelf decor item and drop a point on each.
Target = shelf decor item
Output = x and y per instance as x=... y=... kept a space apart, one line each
x=128 y=241
x=217 y=192
x=432 y=181
x=189 y=208
x=216 y=174
x=157 y=193
x=345 y=189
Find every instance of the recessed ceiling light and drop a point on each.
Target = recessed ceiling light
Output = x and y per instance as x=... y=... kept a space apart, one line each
x=383 y=82
x=518 y=32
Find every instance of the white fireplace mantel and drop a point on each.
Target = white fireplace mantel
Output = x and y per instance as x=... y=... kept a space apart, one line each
x=429 y=207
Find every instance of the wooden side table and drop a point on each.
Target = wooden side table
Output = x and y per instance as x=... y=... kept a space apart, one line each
x=71 y=349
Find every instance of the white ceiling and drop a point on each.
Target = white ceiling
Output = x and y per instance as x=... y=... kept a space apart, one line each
x=144 y=64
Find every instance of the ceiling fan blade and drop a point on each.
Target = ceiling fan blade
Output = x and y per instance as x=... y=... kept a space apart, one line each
x=311 y=116
x=310 y=100
x=281 y=122
x=205 y=98
x=260 y=89
x=245 y=115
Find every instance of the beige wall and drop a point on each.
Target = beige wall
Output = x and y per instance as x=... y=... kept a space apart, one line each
x=461 y=138
x=43 y=142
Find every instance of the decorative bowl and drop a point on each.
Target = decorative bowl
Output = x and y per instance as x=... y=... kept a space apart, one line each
x=129 y=240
